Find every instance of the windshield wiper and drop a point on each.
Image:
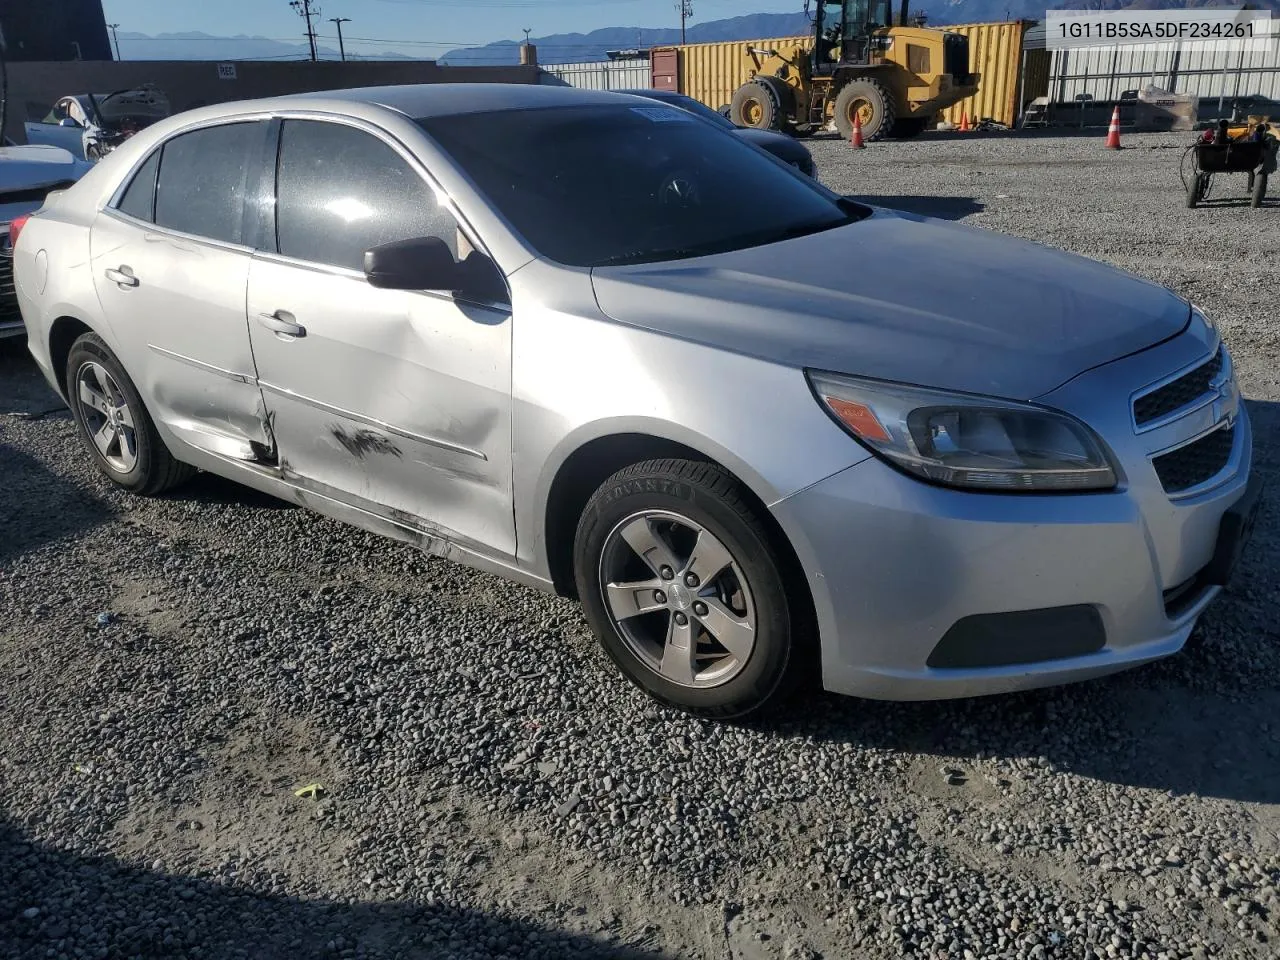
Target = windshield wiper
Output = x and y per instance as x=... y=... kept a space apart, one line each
x=650 y=256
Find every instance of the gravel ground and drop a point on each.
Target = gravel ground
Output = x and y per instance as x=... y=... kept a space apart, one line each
x=173 y=670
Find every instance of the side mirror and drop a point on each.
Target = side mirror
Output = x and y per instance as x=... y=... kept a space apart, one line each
x=67 y=122
x=427 y=263
x=424 y=263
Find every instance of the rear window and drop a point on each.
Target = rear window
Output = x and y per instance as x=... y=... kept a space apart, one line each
x=203 y=177
x=611 y=184
x=139 y=199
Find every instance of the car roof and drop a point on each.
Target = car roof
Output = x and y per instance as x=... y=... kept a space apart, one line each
x=422 y=100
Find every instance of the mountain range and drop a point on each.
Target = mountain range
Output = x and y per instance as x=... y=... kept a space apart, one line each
x=593 y=46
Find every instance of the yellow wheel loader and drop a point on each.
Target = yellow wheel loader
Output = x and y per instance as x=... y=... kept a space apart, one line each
x=895 y=78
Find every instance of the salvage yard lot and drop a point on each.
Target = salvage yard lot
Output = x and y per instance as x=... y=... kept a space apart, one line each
x=491 y=787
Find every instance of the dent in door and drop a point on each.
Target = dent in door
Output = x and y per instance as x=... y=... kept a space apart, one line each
x=183 y=334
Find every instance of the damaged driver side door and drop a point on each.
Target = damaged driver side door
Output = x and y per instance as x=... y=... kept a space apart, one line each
x=395 y=402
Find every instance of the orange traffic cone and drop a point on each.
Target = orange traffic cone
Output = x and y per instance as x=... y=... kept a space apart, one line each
x=1113 y=131
x=856 y=138
x=964 y=122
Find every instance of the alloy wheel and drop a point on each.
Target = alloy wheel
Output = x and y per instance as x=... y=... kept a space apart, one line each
x=107 y=417
x=678 y=598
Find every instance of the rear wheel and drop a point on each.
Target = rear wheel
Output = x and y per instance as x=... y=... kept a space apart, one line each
x=871 y=101
x=1259 y=189
x=680 y=582
x=113 y=423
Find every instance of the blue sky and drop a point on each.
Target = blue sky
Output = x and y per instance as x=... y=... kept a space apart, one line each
x=434 y=25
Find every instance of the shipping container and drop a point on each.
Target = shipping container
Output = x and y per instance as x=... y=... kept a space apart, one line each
x=601 y=75
x=996 y=53
x=664 y=69
x=711 y=72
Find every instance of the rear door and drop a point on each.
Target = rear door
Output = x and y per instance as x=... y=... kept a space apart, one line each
x=171 y=264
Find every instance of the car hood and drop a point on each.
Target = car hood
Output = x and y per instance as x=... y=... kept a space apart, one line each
x=37 y=165
x=904 y=298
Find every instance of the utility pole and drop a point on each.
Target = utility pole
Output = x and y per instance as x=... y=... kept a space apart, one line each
x=115 y=39
x=686 y=13
x=340 y=21
x=307 y=11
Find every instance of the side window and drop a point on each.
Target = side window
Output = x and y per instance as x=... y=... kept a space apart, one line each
x=341 y=191
x=203 y=177
x=139 y=198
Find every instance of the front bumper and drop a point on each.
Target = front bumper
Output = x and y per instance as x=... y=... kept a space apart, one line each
x=894 y=564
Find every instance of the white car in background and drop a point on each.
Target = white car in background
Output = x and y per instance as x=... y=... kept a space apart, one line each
x=27 y=175
x=92 y=125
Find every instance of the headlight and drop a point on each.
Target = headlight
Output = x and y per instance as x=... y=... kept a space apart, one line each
x=974 y=442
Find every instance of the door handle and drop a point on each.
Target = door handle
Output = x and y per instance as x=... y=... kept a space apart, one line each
x=282 y=324
x=122 y=277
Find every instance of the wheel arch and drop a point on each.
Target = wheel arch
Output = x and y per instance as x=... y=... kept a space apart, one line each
x=65 y=330
x=591 y=460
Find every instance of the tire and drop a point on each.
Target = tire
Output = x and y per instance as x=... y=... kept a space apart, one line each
x=875 y=104
x=1259 y=190
x=908 y=127
x=757 y=105
x=136 y=459
x=671 y=504
x=1194 y=190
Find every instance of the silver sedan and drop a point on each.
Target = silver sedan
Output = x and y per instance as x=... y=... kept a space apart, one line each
x=599 y=346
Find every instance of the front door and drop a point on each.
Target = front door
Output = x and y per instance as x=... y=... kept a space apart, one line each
x=395 y=402
x=171 y=266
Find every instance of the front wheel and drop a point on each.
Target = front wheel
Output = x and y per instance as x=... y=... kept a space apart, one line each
x=680 y=581
x=757 y=105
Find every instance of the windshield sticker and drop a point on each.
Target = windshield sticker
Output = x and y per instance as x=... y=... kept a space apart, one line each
x=664 y=114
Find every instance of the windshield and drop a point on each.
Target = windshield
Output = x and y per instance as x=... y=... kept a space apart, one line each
x=595 y=185
x=692 y=105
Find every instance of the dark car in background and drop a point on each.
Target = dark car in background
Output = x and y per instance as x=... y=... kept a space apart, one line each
x=783 y=147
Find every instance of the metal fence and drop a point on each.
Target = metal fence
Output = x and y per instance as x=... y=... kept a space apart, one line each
x=1212 y=71
x=608 y=75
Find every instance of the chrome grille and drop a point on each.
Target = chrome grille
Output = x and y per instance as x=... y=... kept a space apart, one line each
x=1196 y=462
x=1171 y=397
